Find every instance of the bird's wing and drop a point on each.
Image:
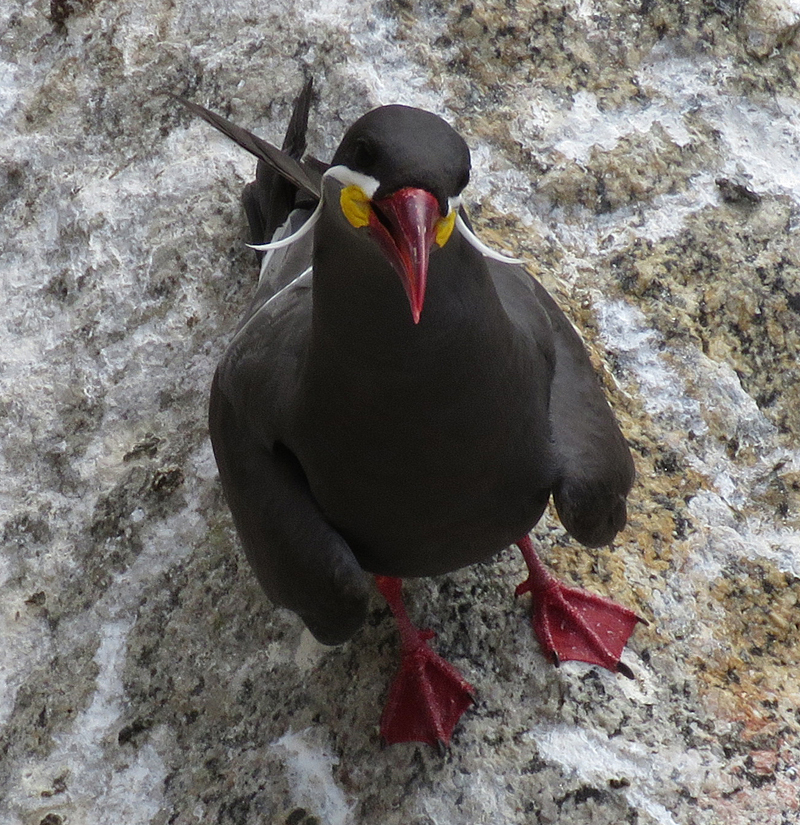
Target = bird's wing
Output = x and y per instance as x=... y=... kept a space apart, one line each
x=281 y=267
x=594 y=470
x=300 y=560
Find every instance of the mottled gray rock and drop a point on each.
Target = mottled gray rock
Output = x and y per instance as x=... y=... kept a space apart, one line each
x=143 y=676
x=770 y=25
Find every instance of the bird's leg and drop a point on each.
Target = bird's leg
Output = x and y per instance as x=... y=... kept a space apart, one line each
x=573 y=624
x=428 y=694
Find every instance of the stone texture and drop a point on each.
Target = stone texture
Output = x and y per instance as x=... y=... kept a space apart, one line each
x=644 y=157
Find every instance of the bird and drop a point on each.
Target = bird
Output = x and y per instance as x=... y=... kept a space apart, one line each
x=401 y=400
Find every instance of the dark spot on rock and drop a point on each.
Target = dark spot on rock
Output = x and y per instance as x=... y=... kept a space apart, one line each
x=112 y=512
x=37 y=599
x=12 y=179
x=148 y=446
x=668 y=462
x=59 y=287
x=756 y=778
x=167 y=480
x=166 y=398
x=60 y=10
x=51 y=819
x=731 y=446
x=682 y=526
x=26 y=526
x=735 y=192
x=59 y=786
x=130 y=732
x=767 y=399
x=585 y=793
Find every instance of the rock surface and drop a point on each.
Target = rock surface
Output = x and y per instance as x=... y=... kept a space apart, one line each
x=646 y=158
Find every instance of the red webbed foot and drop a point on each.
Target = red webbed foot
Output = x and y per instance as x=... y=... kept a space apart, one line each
x=572 y=624
x=428 y=694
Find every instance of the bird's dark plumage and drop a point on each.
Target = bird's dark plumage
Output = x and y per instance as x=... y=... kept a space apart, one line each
x=378 y=144
x=355 y=435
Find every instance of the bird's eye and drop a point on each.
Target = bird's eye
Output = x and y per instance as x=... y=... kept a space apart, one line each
x=363 y=154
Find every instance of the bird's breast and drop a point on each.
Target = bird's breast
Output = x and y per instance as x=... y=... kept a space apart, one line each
x=428 y=468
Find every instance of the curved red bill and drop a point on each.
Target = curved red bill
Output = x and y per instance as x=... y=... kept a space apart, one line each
x=404 y=225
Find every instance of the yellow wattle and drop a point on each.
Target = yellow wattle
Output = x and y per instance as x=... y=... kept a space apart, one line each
x=355 y=205
x=444 y=228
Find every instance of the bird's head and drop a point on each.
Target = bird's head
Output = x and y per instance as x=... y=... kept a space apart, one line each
x=401 y=172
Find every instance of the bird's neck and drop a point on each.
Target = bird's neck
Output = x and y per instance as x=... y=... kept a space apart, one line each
x=361 y=310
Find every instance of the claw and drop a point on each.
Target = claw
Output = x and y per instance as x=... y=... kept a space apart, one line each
x=624 y=670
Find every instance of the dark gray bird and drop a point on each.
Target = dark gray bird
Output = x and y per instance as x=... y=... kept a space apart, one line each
x=401 y=400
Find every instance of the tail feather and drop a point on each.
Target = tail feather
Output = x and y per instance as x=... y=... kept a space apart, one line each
x=270 y=198
x=275 y=159
x=281 y=174
x=294 y=143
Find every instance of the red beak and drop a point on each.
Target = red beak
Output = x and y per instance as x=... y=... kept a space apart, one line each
x=404 y=225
